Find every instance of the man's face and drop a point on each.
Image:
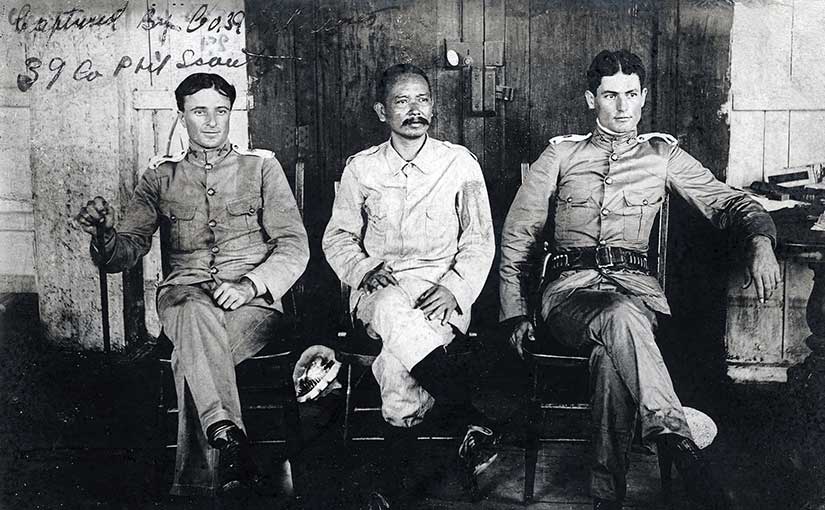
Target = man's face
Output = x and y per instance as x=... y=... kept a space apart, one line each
x=206 y=118
x=618 y=102
x=408 y=107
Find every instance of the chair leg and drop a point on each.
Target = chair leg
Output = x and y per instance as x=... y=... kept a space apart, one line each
x=158 y=440
x=292 y=418
x=665 y=467
x=348 y=402
x=531 y=449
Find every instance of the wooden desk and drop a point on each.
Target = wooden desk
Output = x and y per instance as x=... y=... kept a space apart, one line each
x=764 y=340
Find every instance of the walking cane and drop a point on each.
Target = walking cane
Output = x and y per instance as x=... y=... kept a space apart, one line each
x=104 y=288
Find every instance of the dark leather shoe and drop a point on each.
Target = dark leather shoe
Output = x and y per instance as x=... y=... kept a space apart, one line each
x=236 y=468
x=605 y=504
x=701 y=486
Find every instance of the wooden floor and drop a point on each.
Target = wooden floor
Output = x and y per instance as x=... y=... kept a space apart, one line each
x=74 y=431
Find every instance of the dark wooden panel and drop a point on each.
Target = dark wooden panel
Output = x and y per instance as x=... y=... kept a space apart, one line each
x=317 y=198
x=448 y=104
x=517 y=75
x=272 y=80
x=494 y=22
x=703 y=80
x=664 y=69
x=472 y=30
x=330 y=89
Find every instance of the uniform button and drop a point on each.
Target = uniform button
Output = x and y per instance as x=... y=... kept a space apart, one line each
x=608 y=180
x=208 y=166
x=644 y=202
x=210 y=192
x=614 y=157
x=569 y=199
x=212 y=223
x=173 y=217
x=213 y=270
x=602 y=242
x=605 y=211
x=251 y=210
x=215 y=249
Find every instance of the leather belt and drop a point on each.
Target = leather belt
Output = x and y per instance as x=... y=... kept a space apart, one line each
x=601 y=257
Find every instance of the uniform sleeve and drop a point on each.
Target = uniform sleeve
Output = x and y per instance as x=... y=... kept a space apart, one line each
x=724 y=206
x=282 y=222
x=133 y=236
x=343 y=238
x=476 y=242
x=523 y=228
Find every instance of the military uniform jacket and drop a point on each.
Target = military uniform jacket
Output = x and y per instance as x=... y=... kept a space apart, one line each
x=223 y=214
x=428 y=218
x=604 y=190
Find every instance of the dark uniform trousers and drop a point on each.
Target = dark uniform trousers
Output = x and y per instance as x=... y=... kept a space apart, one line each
x=209 y=342
x=629 y=380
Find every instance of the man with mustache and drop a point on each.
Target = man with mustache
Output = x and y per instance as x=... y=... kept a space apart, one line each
x=594 y=197
x=411 y=234
x=235 y=243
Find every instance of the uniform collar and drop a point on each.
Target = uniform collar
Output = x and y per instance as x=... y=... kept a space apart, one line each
x=203 y=157
x=607 y=139
x=423 y=161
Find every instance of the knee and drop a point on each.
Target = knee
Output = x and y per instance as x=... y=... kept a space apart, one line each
x=388 y=302
x=621 y=311
x=620 y=319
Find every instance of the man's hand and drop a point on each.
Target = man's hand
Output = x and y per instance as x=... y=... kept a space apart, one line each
x=378 y=278
x=233 y=295
x=97 y=212
x=763 y=269
x=437 y=303
x=523 y=328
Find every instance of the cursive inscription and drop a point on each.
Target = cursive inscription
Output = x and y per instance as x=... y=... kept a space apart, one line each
x=75 y=18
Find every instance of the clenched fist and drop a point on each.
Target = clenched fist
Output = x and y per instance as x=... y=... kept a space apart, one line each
x=97 y=212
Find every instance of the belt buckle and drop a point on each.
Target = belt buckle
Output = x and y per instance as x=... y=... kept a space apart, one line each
x=604 y=257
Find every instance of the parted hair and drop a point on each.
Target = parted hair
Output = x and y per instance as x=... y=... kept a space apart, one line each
x=392 y=74
x=608 y=63
x=199 y=81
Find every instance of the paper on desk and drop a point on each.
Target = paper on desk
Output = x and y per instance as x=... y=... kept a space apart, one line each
x=775 y=205
x=820 y=222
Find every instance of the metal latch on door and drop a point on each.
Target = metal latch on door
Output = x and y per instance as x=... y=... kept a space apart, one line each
x=479 y=63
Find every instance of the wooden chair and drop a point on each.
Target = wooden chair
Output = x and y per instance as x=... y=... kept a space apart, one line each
x=548 y=355
x=358 y=351
x=268 y=403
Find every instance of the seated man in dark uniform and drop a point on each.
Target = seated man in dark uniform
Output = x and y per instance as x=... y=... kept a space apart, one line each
x=604 y=190
x=236 y=243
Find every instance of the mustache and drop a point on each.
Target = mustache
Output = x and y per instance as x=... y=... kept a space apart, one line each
x=410 y=120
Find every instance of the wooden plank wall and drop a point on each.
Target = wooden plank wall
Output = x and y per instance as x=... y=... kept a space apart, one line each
x=338 y=48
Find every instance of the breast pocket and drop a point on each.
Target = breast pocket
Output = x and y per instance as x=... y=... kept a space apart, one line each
x=179 y=219
x=376 y=215
x=244 y=213
x=573 y=212
x=640 y=209
x=438 y=222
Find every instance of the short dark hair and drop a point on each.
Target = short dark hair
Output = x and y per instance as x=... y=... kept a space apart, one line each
x=199 y=81
x=394 y=73
x=608 y=63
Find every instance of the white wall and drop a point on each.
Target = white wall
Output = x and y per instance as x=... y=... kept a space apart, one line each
x=777 y=87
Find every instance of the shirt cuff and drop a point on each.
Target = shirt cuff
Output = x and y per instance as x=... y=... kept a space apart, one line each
x=361 y=269
x=260 y=286
x=108 y=250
